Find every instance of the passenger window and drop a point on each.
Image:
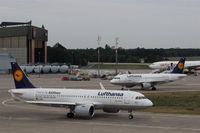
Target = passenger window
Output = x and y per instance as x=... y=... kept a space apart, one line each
x=140 y=97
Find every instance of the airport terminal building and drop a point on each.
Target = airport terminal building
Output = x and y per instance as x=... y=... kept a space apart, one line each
x=26 y=43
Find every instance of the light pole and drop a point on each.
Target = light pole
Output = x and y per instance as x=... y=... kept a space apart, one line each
x=39 y=63
x=116 y=55
x=98 y=41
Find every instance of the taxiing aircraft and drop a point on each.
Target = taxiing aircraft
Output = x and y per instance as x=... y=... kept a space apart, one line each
x=147 y=81
x=80 y=102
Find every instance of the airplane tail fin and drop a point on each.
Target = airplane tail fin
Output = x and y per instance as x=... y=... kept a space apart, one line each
x=179 y=67
x=20 y=78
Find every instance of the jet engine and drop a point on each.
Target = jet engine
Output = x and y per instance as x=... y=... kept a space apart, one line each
x=111 y=110
x=146 y=85
x=84 y=110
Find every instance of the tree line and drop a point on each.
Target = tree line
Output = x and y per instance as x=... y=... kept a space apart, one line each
x=60 y=54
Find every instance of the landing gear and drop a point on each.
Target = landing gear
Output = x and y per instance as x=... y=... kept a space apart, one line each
x=130 y=116
x=122 y=88
x=70 y=115
x=153 y=88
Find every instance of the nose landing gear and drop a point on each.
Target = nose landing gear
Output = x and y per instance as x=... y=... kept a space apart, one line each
x=130 y=116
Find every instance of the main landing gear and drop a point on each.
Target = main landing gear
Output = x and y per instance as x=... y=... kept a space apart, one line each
x=153 y=88
x=130 y=116
x=70 y=114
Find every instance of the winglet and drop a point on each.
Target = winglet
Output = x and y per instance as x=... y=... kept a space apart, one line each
x=101 y=85
x=179 y=67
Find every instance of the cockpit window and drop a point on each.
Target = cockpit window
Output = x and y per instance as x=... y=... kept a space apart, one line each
x=116 y=77
x=140 y=97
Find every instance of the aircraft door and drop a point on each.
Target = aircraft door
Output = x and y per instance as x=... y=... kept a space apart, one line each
x=38 y=95
x=127 y=99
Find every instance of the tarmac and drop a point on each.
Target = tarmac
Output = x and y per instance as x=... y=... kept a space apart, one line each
x=18 y=117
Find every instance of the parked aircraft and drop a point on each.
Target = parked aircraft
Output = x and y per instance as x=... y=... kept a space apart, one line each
x=81 y=102
x=147 y=81
x=196 y=71
x=164 y=65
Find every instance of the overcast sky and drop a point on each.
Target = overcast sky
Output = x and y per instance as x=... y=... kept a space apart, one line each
x=137 y=23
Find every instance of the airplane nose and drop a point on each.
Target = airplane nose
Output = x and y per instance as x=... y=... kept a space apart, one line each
x=113 y=81
x=149 y=103
x=151 y=66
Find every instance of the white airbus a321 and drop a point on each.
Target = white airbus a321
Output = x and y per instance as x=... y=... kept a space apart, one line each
x=82 y=103
x=147 y=81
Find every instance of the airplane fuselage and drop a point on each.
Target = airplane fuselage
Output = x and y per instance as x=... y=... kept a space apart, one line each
x=99 y=98
x=130 y=80
x=168 y=64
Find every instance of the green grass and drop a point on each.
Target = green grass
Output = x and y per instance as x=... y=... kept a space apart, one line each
x=175 y=102
x=121 y=66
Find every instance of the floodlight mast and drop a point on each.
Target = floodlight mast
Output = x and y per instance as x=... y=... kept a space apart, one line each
x=98 y=41
x=116 y=55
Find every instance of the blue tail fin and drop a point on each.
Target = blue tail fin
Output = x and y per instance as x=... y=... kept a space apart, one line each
x=179 y=67
x=21 y=80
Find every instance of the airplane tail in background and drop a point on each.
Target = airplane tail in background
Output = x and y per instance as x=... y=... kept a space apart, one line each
x=179 y=67
x=20 y=78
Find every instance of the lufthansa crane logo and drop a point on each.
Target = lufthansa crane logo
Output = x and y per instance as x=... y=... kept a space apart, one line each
x=18 y=75
x=180 y=65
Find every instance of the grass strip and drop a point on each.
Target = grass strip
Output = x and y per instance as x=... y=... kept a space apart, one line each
x=121 y=66
x=175 y=102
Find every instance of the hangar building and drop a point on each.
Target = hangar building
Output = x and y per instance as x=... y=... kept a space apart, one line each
x=26 y=43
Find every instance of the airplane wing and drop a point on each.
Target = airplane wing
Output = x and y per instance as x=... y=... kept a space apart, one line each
x=157 y=71
x=61 y=104
x=49 y=103
x=156 y=81
x=153 y=81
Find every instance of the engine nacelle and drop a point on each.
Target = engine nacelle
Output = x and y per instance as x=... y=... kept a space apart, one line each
x=146 y=85
x=86 y=110
x=111 y=110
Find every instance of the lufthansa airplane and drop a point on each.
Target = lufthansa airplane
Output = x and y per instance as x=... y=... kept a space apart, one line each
x=80 y=102
x=164 y=65
x=147 y=81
